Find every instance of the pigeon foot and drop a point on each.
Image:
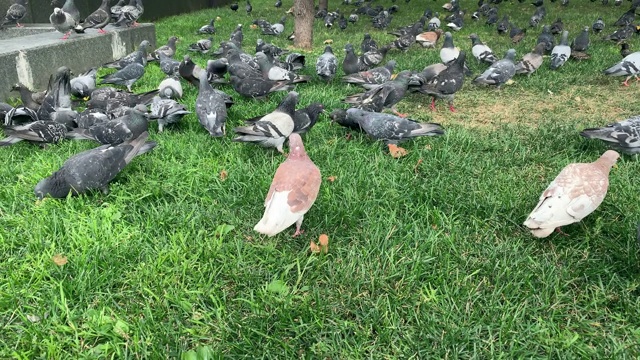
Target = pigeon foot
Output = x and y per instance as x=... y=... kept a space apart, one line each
x=101 y=31
x=451 y=108
x=298 y=232
x=19 y=25
x=559 y=231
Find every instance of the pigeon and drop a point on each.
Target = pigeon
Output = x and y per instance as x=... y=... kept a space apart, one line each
x=350 y=62
x=342 y=22
x=170 y=88
x=41 y=131
x=446 y=83
x=208 y=29
x=97 y=19
x=429 y=39
x=90 y=117
x=368 y=44
x=168 y=65
x=372 y=78
x=426 y=75
x=248 y=8
x=627 y=18
x=70 y=8
x=130 y=14
x=386 y=95
x=211 y=108
x=372 y=58
x=117 y=131
x=108 y=98
x=623 y=136
x=168 y=50
x=202 y=46
x=304 y=119
x=561 y=52
x=216 y=70
x=116 y=10
x=629 y=67
x=499 y=72
x=15 y=13
x=258 y=87
x=275 y=29
x=625 y=50
x=456 y=23
x=547 y=39
x=353 y=18
x=327 y=64
x=18 y=115
x=581 y=42
x=271 y=130
x=448 y=52
x=434 y=23
x=234 y=6
x=575 y=193
x=138 y=56
x=481 y=51
x=56 y=105
x=293 y=191
x=237 y=36
x=92 y=169
x=166 y=111
x=278 y=4
x=557 y=27
x=392 y=129
x=515 y=33
x=127 y=76
x=503 y=25
x=598 y=25
x=275 y=73
x=531 y=61
x=26 y=96
x=83 y=85
x=62 y=22
x=189 y=71
x=622 y=34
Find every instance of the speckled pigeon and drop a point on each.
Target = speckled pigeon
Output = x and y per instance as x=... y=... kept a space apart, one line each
x=499 y=72
x=166 y=111
x=304 y=119
x=211 y=108
x=386 y=95
x=62 y=22
x=446 y=83
x=168 y=50
x=327 y=64
x=372 y=78
x=41 y=131
x=130 y=14
x=139 y=56
x=97 y=19
x=392 y=129
x=629 y=67
x=623 y=136
x=116 y=131
x=15 y=13
x=127 y=76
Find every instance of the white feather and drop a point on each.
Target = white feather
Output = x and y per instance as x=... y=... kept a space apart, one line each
x=277 y=215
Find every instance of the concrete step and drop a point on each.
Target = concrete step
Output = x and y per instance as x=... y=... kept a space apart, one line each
x=32 y=54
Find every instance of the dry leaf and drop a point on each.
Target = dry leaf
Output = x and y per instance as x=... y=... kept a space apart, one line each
x=427 y=147
x=331 y=178
x=324 y=240
x=314 y=247
x=218 y=18
x=253 y=26
x=223 y=175
x=396 y=151
x=59 y=259
x=328 y=41
x=415 y=168
x=323 y=247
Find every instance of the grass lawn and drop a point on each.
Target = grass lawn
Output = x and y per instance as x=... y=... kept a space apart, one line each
x=427 y=257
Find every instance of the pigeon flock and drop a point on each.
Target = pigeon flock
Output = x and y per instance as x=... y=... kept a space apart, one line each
x=118 y=120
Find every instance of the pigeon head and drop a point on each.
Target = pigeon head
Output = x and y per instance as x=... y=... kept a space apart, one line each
x=173 y=39
x=356 y=115
x=607 y=160
x=296 y=147
x=314 y=110
x=338 y=115
x=57 y=11
x=328 y=49
x=348 y=48
x=511 y=55
x=288 y=105
x=391 y=64
x=585 y=29
x=55 y=186
x=186 y=59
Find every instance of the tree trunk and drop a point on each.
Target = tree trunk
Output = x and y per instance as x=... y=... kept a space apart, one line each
x=303 y=23
x=323 y=4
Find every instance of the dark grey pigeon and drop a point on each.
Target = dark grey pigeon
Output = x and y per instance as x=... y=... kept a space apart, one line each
x=189 y=71
x=446 y=83
x=426 y=75
x=368 y=43
x=168 y=65
x=392 y=129
x=41 y=131
x=499 y=72
x=623 y=136
x=627 y=18
x=108 y=98
x=237 y=36
x=62 y=22
x=327 y=64
x=167 y=50
x=622 y=34
x=116 y=131
x=386 y=95
x=27 y=96
x=372 y=58
x=547 y=39
x=273 y=129
x=258 y=87
x=304 y=119
x=350 y=62
x=216 y=70
x=116 y=10
x=248 y=7
x=97 y=19
x=57 y=103
x=340 y=117
x=211 y=108
x=90 y=117
x=581 y=43
x=15 y=13
x=598 y=25
x=241 y=69
x=208 y=29
x=557 y=27
x=83 y=85
x=139 y=56
x=372 y=78
x=130 y=14
x=92 y=169
x=166 y=111
x=127 y=76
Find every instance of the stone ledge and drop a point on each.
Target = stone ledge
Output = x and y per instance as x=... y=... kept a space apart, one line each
x=32 y=58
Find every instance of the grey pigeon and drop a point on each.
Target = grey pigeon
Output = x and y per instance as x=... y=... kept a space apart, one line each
x=92 y=169
x=234 y=6
x=446 y=83
x=108 y=98
x=372 y=58
x=448 y=52
x=202 y=46
x=57 y=103
x=248 y=8
x=258 y=87
x=130 y=14
x=189 y=71
x=622 y=34
x=241 y=69
x=216 y=70
x=350 y=62
x=276 y=73
x=623 y=136
x=70 y=8
x=327 y=64
x=27 y=96
x=116 y=10
x=41 y=131
x=561 y=52
x=372 y=78
x=499 y=72
x=168 y=50
x=629 y=67
x=83 y=85
x=237 y=36
x=392 y=129
x=18 y=115
x=15 y=13
x=62 y=22
x=208 y=29
x=170 y=88
x=598 y=25
x=211 y=108
x=166 y=111
x=481 y=51
x=547 y=39
x=386 y=95
x=138 y=56
x=271 y=130
x=581 y=42
x=117 y=131
x=368 y=43
x=97 y=19
x=627 y=18
x=426 y=75
x=127 y=76
x=168 y=65
x=304 y=119
x=557 y=27
x=90 y=117
x=531 y=61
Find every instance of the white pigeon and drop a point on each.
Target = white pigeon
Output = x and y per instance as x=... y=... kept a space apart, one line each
x=561 y=52
x=629 y=67
x=575 y=193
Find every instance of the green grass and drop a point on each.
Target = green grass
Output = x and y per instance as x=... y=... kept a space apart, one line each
x=426 y=261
